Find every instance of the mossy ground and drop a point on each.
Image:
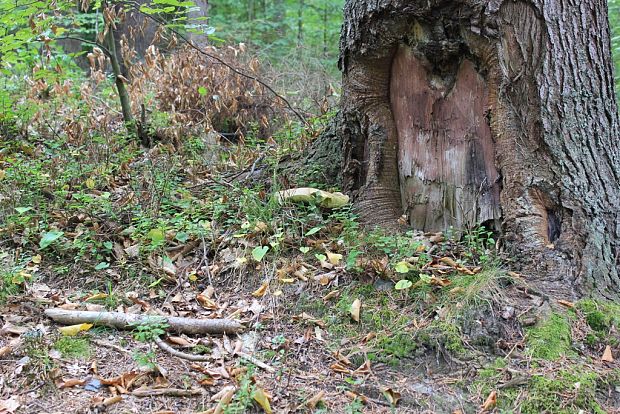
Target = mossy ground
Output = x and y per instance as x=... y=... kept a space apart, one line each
x=559 y=370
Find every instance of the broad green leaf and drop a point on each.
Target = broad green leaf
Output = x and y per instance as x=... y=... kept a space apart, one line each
x=157 y=236
x=102 y=265
x=259 y=252
x=321 y=257
x=304 y=249
x=22 y=210
x=401 y=267
x=49 y=238
x=182 y=236
x=202 y=90
x=403 y=284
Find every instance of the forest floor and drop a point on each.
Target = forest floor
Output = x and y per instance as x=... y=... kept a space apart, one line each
x=337 y=318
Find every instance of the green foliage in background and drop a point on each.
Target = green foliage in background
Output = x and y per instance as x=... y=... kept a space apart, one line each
x=281 y=28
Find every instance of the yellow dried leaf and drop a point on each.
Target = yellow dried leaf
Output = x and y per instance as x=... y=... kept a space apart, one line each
x=356 y=307
x=73 y=330
x=262 y=398
x=334 y=258
x=607 y=356
x=36 y=259
x=260 y=292
x=2 y=174
x=97 y=296
x=90 y=183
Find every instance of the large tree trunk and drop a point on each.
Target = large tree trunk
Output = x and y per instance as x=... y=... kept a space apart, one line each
x=463 y=112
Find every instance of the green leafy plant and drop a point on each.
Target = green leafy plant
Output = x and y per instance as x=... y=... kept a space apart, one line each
x=148 y=331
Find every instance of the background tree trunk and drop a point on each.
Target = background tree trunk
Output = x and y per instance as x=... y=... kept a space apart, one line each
x=458 y=113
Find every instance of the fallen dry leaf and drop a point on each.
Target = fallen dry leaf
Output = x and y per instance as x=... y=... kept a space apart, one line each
x=363 y=369
x=177 y=340
x=490 y=402
x=338 y=367
x=312 y=402
x=262 y=398
x=566 y=303
x=331 y=295
x=333 y=258
x=260 y=292
x=391 y=395
x=356 y=307
x=71 y=382
x=607 y=356
x=205 y=300
x=224 y=397
x=9 y=406
x=355 y=396
x=73 y=330
x=343 y=359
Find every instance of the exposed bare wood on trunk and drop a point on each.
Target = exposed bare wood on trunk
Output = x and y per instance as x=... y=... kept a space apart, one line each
x=446 y=151
x=460 y=112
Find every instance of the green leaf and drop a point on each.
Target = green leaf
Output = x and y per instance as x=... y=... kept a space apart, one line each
x=108 y=245
x=403 y=284
x=49 y=238
x=425 y=278
x=304 y=249
x=320 y=257
x=22 y=210
x=202 y=90
x=157 y=236
x=259 y=252
x=102 y=265
x=401 y=267
x=313 y=230
x=182 y=237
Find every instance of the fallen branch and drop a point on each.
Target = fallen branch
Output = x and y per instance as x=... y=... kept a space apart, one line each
x=179 y=354
x=172 y=392
x=121 y=320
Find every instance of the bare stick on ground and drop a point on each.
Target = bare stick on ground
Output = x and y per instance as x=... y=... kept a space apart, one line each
x=121 y=320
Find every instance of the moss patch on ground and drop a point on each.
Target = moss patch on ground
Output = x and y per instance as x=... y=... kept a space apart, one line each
x=550 y=339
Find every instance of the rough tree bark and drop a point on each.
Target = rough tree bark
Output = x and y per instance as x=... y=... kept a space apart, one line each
x=462 y=112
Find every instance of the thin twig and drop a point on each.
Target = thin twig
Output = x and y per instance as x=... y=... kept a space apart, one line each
x=179 y=354
x=172 y=392
x=111 y=345
x=257 y=362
